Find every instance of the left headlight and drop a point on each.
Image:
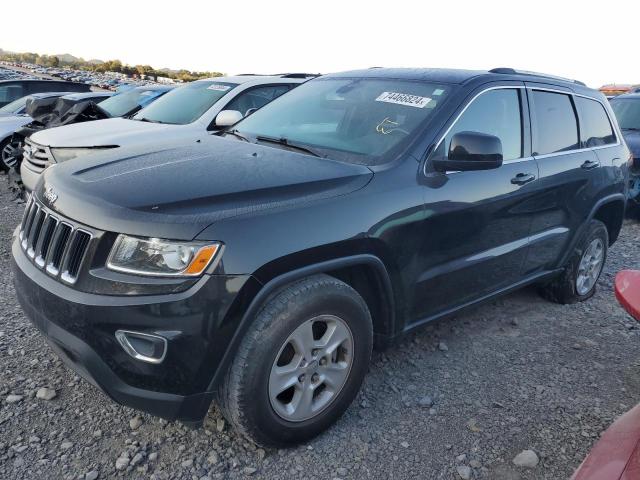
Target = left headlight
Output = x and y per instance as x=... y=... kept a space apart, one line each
x=63 y=154
x=157 y=257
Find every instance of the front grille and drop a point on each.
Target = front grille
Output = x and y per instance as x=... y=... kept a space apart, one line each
x=53 y=243
x=39 y=157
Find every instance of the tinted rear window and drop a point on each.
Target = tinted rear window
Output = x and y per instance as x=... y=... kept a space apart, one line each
x=555 y=122
x=595 y=128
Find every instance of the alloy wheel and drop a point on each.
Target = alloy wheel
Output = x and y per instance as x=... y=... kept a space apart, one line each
x=590 y=266
x=311 y=368
x=8 y=152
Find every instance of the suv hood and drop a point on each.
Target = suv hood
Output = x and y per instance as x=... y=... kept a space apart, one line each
x=176 y=193
x=100 y=133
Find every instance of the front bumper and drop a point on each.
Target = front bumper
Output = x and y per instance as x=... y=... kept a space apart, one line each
x=29 y=177
x=197 y=323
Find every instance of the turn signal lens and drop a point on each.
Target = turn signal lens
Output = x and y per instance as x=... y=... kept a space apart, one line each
x=201 y=259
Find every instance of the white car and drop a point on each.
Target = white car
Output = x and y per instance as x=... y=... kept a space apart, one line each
x=187 y=113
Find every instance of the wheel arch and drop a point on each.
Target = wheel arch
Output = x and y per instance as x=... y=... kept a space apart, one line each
x=355 y=270
x=610 y=211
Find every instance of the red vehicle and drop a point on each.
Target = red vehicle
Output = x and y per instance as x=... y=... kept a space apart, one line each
x=616 y=456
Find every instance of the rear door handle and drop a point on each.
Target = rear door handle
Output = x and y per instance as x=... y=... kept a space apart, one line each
x=589 y=164
x=522 y=178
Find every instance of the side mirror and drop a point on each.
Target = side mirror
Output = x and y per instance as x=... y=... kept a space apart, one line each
x=226 y=118
x=471 y=151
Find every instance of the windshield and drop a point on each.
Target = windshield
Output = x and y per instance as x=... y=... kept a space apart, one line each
x=185 y=104
x=129 y=101
x=358 y=120
x=17 y=106
x=627 y=112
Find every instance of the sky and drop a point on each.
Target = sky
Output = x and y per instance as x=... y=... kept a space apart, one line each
x=596 y=42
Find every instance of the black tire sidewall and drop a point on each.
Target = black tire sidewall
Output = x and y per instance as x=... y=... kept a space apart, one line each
x=3 y=166
x=282 y=322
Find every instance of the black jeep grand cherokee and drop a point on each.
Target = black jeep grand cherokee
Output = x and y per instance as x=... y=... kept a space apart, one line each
x=258 y=268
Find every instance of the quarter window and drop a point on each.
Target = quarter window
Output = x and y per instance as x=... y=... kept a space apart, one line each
x=595 y=128
x=496 y=112
x=555 y=122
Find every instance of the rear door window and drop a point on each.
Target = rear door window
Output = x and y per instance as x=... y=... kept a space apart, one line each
x=595 y=127
x=554 y=119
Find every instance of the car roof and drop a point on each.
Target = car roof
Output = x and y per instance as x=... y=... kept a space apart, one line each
x=154 y=87
x=250 y=78
x=48 y=94
x=80 y=96
x=454 y=76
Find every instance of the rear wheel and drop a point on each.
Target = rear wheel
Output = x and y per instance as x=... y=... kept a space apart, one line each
x=300 y=365
x=578 y=281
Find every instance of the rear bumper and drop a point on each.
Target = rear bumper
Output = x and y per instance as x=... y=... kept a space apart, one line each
x=80 y=327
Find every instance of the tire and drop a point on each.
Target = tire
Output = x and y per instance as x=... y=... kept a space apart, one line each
x=3 y=166
x=567 y=288
x=247 y=396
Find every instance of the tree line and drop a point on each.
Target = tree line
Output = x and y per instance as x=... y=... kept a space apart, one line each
x=109 y=66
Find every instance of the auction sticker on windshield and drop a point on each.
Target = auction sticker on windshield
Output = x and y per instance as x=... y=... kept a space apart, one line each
x=219 y=87
x=403 y=99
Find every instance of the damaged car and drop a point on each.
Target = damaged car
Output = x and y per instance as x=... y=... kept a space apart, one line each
x=11 y=90
x=192 y=112
x=29 y=109
x=36 y=112
x=627 y=110
x=50 y=111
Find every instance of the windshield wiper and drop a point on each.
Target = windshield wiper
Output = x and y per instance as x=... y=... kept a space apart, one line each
x=287 y=143
x=143 y=119
x=635 y=129
x=237 y=134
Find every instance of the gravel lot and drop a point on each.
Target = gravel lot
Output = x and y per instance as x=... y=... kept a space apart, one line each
x=459 y=399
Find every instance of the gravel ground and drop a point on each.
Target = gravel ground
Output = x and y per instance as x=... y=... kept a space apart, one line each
x=460 y=399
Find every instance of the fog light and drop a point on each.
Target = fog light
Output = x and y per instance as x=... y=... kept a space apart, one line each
x=143 y=346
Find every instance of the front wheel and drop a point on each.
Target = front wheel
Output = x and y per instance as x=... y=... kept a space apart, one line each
x=578 y=281
x=300 y=365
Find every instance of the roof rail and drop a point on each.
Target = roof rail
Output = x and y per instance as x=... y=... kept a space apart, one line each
x=513 y=71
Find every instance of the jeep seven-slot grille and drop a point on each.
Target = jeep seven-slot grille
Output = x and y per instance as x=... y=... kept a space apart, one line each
x=52 y=243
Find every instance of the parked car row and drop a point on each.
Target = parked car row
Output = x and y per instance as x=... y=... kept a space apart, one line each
x=108 y=80
x=249 y=239
x=187 y=113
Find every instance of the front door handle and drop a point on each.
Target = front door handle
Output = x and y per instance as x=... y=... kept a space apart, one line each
x=589 y=164
x=522 y=178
